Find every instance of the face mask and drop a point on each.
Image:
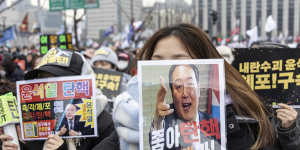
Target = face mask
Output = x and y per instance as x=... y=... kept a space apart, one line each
x=123 y=64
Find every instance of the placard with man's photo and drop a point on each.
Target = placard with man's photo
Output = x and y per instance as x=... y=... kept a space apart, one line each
x=59 y=105
x=182 y=104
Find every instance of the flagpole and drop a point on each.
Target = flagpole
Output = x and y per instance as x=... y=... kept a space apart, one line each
x=3 y=22
x=119 y=22
x=86 y=25
x=39 y=15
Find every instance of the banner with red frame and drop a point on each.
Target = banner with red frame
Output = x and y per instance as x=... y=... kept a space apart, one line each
x=61 y=105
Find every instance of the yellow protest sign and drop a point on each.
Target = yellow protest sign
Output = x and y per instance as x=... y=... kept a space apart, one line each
x=8 y=109
x=86 y=112
x=56 y=56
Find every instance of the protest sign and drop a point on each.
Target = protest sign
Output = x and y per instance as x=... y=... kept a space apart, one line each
x=62 y=105
x=8 y=109
x=108 y=81
x=273 y=73
x=9 y=116
x=57 y=57
x=62 y=41
x=182 y=104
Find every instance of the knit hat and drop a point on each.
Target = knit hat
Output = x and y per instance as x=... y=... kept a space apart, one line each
x=59 y=63
x=105 y=54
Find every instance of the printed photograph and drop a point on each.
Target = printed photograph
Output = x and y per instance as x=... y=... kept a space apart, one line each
x=182 y=106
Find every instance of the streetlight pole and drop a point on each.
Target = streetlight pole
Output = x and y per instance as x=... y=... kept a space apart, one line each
x=131 y=9
x=119 y=16
x=3 y=22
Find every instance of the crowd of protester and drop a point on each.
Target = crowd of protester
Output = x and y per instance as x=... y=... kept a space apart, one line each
x=118 y=119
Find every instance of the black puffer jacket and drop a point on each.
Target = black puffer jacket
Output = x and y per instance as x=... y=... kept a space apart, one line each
x=241 y=133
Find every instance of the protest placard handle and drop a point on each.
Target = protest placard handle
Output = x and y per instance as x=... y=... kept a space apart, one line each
x=11 y=131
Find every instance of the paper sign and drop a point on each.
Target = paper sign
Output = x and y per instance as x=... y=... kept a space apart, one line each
x=195 y=118
x=8 y=109
x=63 y=106
x=273 y=73
x=109 y=82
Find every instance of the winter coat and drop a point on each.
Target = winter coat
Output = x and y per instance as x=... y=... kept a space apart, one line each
x=241 y=132
x=245 y=131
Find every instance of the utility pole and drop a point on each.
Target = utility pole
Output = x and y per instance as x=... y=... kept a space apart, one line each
x=199 y=14
x=39 y=15
x=158 y=21
x=166 y=13
x=119 y=22
x=65 y=22
x=3 y=23
x=131 y=10
x=86 y=25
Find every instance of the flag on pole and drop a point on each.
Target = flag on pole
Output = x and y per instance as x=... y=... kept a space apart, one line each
x=130 y=34
x=270 y=24
x=24 y=25
x=137 y=25
x=235 y=31
x=9 y=34
x=253 y=34
x=108 y=31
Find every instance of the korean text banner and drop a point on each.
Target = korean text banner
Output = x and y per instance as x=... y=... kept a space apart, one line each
x=272 y=73
x=108 y=81
x=62 y=105
x=182 y=105
x=8 y=109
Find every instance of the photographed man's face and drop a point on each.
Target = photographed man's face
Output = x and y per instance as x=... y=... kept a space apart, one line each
x=185 y=92
x=70 y=112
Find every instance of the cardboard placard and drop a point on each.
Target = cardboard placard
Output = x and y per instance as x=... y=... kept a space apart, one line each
x=182 y=104
x=273 y=73
x=62 y=105
x=109 y=82
x=8 y=109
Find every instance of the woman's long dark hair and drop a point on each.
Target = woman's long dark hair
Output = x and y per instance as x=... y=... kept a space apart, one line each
x=244 y=99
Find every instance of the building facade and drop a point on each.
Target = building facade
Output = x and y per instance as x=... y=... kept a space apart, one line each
x=247 y=14
x=117 y=13
x=170 y=12
x=48 y=22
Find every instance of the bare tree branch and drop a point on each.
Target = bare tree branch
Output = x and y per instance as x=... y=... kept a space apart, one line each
x=1 y=1
x=12 y=5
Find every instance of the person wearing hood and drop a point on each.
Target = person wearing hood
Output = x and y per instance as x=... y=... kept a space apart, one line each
x=106 y=58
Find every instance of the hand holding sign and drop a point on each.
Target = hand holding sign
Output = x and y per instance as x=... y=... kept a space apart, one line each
x=53 y=142
x=287 y=115
x=9 y=116
x=62 y=131
x=7 y=144
x=162 y=108
x=74 y=133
